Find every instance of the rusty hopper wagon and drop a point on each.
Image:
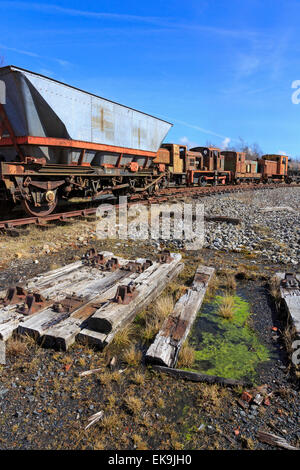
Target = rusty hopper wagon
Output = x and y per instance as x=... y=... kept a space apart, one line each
x=57 y=141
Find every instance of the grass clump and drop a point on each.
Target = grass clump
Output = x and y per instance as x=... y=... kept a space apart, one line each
x=226 y=307
x=186 y=356
x=131 y=356
x=16 y=347
x=138 y=378
x=133 y=404
x=139 y=443
x=150 y=329
x=229 y=281
x=212 y=395
x=274 y=288
x=122 y=339
x=163 y=307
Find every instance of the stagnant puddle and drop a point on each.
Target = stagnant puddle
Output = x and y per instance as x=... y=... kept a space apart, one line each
x=225 y=341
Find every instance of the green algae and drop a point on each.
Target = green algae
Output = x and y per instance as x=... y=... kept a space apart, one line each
x=227 y=347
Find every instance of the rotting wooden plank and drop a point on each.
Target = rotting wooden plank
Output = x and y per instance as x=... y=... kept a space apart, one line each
x=291 y=298
x=108 y=317
x=38 y=325
x=9 y=322
x=63 y=334
x=42 y=279
x=57 y=284
x=73 y=271
x=195 y=377
x=99 y=339
x=175 y=329
x=10 y=318
x=274 y=440
x=2 y=353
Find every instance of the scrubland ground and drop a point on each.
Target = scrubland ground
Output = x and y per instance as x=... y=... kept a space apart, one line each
x=45 y=404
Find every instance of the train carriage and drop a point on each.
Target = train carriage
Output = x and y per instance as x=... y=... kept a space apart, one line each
x=57 y=141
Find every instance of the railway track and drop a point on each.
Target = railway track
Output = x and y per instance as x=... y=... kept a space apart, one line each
x=161 y=196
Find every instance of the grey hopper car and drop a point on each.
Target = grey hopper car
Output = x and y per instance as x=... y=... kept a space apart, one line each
x=40 y=106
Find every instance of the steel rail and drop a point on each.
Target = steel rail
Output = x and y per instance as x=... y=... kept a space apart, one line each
x=162 y=195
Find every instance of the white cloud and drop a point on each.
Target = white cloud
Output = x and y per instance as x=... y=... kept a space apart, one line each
x=225 y=143
x=19 y=51
x=186 y=141
x=62 y=63
x=50 y=8
x=154 y=20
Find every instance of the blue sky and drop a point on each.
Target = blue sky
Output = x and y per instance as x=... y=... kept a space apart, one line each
x=218 y=70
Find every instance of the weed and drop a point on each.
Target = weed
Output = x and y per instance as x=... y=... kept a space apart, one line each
x=149 y=331
x=274 y=289
x=133 y=404
x=138 y=378
x=132 y=357
x=186 y=356
x=105 y=378
x=160 y=403
x=16 y=347
x=139 y=443
x=226 y=307
x=229 y=282
x=122 y=339
x=163 y=307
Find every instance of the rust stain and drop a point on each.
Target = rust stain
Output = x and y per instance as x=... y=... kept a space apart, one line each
x=179 y=330
x=201 y=277
x=169 y=326
x=102 y=119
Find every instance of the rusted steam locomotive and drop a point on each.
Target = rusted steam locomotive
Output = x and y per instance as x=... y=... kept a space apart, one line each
x=57 y=142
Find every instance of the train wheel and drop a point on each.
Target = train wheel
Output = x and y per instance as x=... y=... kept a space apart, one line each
x=39 y=211
x=202 y=181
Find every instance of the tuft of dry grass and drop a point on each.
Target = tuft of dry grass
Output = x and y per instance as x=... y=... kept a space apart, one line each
x=105 y=378
x=138 y=378
x=98 y=445
x=154 y=318
x=152 y=326
x=160 y=403
x=212 y=396
x=133 y=404
x=274 y=288
x=229 y=281
x=288 y=336
x=226 y=307
x=110 y=422
x=122 y=339
x=186 y=356
x=163 y=307
x=139 y=443
x=132 y=357
x=247 y=443
x=212 y=287
x=16 y=347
